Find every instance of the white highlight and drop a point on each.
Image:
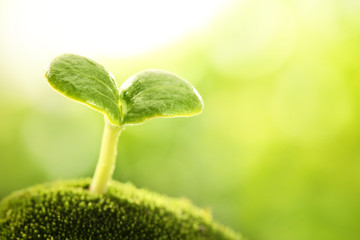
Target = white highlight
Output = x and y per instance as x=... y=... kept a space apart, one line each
x=106 y=27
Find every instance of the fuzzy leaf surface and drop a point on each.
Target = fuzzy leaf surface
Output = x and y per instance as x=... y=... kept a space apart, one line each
x=86 y=81
x=154 y=93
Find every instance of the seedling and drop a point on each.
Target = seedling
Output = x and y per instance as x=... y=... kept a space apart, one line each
x=68 y=210
x=146 y=95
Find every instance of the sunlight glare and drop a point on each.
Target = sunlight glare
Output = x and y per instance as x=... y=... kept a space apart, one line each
x=102 y=27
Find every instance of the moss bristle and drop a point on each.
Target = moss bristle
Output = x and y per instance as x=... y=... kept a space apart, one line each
x=67 y=210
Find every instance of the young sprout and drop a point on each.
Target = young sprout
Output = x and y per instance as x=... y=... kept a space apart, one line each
x=146 y=95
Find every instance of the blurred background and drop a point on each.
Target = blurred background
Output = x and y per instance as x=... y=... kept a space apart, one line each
x=276 y=152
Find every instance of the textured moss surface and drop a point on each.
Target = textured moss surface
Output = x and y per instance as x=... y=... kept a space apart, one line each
x=66 y=210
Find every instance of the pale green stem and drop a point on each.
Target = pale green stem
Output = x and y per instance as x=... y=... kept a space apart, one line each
x=106 y=164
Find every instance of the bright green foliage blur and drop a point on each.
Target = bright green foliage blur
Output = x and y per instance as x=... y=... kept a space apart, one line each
x=276 y=152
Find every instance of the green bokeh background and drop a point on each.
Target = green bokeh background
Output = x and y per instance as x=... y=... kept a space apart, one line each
x=275 y=154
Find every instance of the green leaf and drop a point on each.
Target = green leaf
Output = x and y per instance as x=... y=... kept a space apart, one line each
x=153 y=93
x=86 y=81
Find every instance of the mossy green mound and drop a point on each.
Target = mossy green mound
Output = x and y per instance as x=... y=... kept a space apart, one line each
x=66 y=210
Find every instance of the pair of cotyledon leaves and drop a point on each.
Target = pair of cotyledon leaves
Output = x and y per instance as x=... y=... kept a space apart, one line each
x=145 y=95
